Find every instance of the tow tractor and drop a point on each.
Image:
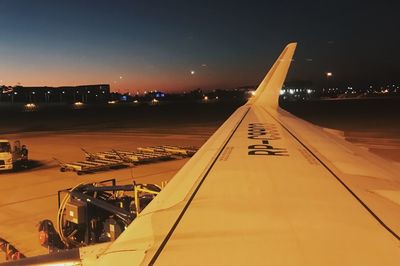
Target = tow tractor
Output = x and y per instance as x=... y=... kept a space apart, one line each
x=94 y=213
x=12 y=155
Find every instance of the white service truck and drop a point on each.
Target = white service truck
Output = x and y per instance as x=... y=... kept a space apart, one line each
x=12 y=155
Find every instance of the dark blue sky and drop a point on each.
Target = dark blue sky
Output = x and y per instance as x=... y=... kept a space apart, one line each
x=155 y=44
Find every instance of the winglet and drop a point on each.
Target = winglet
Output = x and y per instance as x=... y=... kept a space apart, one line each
x=267 y=93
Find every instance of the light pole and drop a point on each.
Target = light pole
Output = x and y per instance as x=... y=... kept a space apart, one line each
x=329 y=76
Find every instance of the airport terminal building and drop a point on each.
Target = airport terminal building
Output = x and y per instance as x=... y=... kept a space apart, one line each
x=66 y=94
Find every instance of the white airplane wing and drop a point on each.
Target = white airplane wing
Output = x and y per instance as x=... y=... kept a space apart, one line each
x=266 y=189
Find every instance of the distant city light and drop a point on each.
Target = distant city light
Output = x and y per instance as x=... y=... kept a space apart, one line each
x=112 y=102
x=78 y=103
x=135 y=101
x=309 y=91
x=192 y=72
x=205 y=98
x=329 y=74
x=281 y=92
x=30 y=105
x=253 y=93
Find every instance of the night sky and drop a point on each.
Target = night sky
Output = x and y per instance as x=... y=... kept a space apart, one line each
x=144 y=45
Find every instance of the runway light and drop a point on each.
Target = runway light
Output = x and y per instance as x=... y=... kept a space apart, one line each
x=329 y=74
x=78 y=103
x=154 y=101
x=205 y=98
x=112 y=102
x=135 y=101
x=309 y=91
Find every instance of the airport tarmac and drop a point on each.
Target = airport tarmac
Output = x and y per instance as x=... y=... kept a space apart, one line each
x=31 y=195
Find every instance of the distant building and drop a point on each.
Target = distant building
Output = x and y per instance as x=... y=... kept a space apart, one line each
x=66 y=94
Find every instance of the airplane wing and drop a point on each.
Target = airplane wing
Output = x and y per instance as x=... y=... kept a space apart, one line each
x=266 y=189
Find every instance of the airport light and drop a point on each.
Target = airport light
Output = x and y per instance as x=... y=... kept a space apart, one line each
x=205 y=98
x=112 y=102
x=253 y=93
x=30 y=105
x=135 y=101
x=329 y=74
x=78 y=103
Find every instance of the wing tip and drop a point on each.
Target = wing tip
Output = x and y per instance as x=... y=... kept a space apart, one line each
x=269 y=89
